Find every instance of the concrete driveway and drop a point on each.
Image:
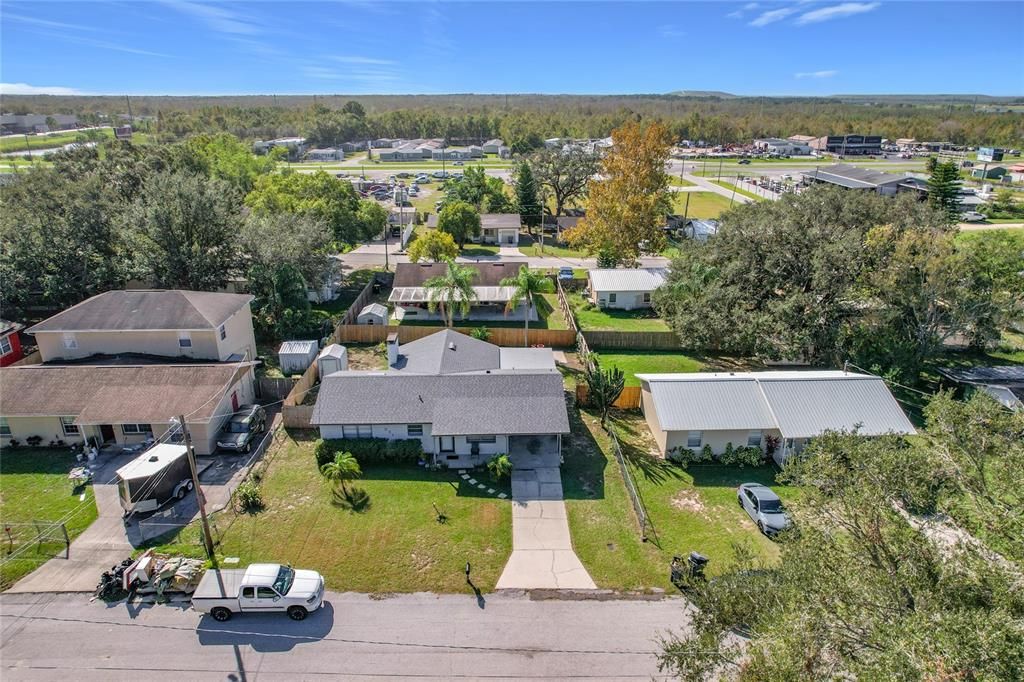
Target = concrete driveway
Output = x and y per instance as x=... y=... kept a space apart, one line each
x=542 y=554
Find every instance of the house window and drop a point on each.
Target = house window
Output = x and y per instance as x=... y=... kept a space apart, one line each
x=611 y=298
x=5 y=346
x=647 y=297
x=694 y=439
x=414 y=430
x=136 y=429
x=357 y=431
x=481 y=439
x=184 y=340
x=789 y=444
x=70 y=342
x=223 y=332
x=5 y=428
x=69 y=426
x=754 y=439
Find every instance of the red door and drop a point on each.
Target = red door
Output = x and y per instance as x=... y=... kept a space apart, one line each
x=234 y=401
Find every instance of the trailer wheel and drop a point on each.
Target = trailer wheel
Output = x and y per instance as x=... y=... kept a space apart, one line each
x=189 y=485
x=297 y=613
x=182 y=492
x=221 y=614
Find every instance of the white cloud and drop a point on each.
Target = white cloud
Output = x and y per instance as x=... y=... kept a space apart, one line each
x=217 y=17
x=46 y=23
x=738 y=14
x=363 y=60
x=771 y=16
x=671 y=31
x=846 y=9
x=26 y=89
x=828 y=73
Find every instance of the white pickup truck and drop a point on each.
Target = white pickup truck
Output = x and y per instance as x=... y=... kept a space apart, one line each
x=261 y=588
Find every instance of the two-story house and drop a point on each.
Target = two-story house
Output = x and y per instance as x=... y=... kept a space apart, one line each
x=118 y=366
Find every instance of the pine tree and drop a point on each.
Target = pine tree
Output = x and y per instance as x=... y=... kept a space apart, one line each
x=526 y=197
x=944 y=189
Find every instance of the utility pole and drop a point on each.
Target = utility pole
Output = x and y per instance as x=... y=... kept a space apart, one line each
x=200 y=498
x=131 y=119
x=734 y=185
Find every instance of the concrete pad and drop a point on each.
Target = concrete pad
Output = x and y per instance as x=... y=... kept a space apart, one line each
x=536 y=509
x=550 y=491
x=541 y=534
x=544 y=569
x=549 y=475
x=528 y=490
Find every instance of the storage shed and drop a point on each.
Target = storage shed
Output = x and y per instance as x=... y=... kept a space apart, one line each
x=332 y=358
x=375 y=313
x=296 y=356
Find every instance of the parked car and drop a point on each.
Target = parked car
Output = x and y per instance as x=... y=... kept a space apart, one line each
x=744 y=162
x=458 y=163
x=405 y=174
x=565 y=272
x=764 y=507
x=260 y=588
x=423 y=178
x=972 y=217
x=440 y=175
x=245 y=424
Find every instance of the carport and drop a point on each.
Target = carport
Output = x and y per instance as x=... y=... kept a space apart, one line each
x=532 y=451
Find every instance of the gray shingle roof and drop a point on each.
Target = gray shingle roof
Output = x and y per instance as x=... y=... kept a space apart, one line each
x=513 y=403
x=854 y=177
x=799 y=404
x=137 y=310
x=447 y=352
x=488 y=274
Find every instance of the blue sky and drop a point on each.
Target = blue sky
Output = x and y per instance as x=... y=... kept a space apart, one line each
x=802 y=47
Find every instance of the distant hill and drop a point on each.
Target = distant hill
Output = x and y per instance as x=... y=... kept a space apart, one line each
x=702 y=93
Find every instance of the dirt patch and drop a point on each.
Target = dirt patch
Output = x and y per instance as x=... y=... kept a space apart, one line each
x=365 y=358
x=688 y=501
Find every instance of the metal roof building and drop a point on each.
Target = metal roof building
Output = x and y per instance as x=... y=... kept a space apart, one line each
x=628 y=279
x=853 y=177
x=693 y=410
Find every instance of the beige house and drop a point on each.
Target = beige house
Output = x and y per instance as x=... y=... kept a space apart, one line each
x=177 y=324
x=714 y=409
x=123 y=404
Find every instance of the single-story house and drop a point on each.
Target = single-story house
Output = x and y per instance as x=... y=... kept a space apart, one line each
x=626 y=288
x=749 y=408
x=453 y=394
x=10 y=342
x=124 y=404
x=1005 y=383
x=375 y=313
x=990 y=173
x=327 y=154
x=492 y=146
x=495 y=228
x=457 y=153
x=411 y=297
x=199 y=325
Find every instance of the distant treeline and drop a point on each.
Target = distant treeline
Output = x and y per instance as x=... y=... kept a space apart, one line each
x=523 y=120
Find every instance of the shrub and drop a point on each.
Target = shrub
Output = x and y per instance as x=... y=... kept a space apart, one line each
x=742 y=456
x=481 y=333
x=250 y=497
x=369 y=450
x=34 y=441
x=499 y=467
x=706 y=455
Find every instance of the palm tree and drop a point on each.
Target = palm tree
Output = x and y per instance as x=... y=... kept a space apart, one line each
x=528 y=285
x=342 y=469
x=452 y=290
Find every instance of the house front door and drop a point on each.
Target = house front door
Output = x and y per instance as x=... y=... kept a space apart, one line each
x=107 y=433
x=447 y=443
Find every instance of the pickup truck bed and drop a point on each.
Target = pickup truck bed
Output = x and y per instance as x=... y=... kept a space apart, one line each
x=219 y=585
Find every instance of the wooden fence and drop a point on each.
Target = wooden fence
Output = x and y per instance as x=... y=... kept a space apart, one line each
x=629 y=399
x=501 y=336
x=365 y=295
x=632 y=340
x=271 y=388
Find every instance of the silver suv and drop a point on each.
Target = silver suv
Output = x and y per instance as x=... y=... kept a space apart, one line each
x=241 y=430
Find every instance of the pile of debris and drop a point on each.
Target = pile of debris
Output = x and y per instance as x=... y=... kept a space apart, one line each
x=150 y=573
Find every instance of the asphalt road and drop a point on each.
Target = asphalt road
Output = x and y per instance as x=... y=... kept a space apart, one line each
x=422 y=636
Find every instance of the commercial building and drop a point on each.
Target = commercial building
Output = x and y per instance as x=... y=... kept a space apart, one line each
x=852 y=177
x=853 y=145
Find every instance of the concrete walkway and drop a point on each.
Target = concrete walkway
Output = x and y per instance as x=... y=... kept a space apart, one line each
x=542 y=553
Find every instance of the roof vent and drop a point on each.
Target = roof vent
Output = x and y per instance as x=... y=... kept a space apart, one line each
x=451 y=345
x=154 y=458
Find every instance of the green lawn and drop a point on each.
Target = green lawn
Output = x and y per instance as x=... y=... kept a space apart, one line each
x=34 y=487
x=733 y=188
x=702 y=204
x=691 y=509
x=471 y=250
x=393 y=544
x=529 y=246
x=649 y=362
x=591 y=318
x=20 y=143
x=679 y=182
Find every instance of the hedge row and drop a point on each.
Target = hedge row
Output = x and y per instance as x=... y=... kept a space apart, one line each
x=369 y=450
x=741 y=456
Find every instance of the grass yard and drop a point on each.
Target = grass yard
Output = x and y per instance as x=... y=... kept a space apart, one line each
x=733 y=188
x=591 y=318
x=680 y=182
x=58 y=139
x=530 y=247
x=34 y=486
x=650 y=362
x=702 y=204
x=392 y=544
x=472 y=250
x=691 y=509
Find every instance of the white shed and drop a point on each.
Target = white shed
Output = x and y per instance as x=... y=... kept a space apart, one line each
x=375 y=313
x=296 y=356
x=332 y=358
